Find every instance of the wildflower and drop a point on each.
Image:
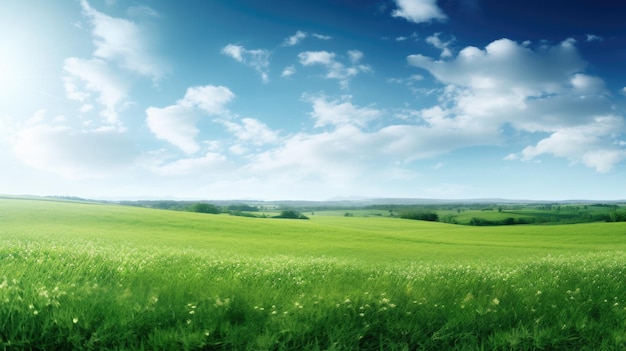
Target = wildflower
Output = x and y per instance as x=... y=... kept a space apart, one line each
x=495 y=301
x=538 y=292
x=75 y=320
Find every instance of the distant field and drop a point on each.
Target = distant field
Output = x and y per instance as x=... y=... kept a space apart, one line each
x=93 y=276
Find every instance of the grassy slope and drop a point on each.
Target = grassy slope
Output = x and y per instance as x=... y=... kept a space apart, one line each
x=366 y=239
x=97 y=276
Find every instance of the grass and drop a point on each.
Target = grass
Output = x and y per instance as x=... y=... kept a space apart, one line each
x=91 y=276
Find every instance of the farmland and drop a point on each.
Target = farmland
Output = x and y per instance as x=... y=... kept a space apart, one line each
x=94 y=276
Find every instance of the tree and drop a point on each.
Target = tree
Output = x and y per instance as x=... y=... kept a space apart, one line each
x=201 y=207
x=420 y=215
x=291 y=214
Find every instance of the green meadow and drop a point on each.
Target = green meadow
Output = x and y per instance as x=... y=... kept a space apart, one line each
x=105 y=277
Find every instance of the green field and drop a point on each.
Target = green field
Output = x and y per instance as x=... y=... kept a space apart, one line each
x=92 y=276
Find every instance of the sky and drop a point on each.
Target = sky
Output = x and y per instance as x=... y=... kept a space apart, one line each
x=313 y=100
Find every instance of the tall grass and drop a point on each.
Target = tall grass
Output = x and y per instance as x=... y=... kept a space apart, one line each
x=102 y=277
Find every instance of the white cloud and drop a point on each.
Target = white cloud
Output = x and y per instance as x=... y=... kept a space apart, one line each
x=542 y=90
x=288 y=71
x=309 y=58
x=209 y=98
x=124 y=42
x=340 y=112
x=74 y=154
x=586 y=84
x=207 y=164
x=355 y=56
x=176 y=124
x=413 y=36
x=333 y=157
x=299 y=36
x=258 y=59
x=593 y=144
x=418 y=11
x=252 y=131
x=335 y=69
x=511 y=157
x=295 y=39
x=321 y=36
x=351 y=148
x=506 y=65
x=95 y=76
x=444 y=46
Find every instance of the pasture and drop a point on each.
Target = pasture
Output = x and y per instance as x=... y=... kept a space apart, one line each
x=92 y=276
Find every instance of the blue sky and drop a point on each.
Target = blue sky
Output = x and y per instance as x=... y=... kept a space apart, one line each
x=314 y=100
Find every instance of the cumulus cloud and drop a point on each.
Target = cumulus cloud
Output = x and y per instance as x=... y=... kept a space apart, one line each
x=592 y=144
x=418 y=11
x=124 y=42
x=541 y=90
x=176 y=124
x=209 y=98
x=586 y=84
x=334 y=68
x=121 y=46
x=505 y=64
x=258 y=59
x=353 y=146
